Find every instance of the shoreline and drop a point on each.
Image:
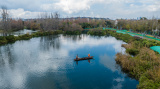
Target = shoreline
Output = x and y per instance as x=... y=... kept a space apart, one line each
x=11 y=38
x=140 y=62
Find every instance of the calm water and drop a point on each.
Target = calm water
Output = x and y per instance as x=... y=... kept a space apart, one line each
x=20 y=32
x=47 y=63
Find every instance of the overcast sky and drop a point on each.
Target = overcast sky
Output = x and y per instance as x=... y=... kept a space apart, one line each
x=89 y=8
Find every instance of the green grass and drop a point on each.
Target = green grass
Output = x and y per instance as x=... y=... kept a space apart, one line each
x=73 y=32
x=12 y=39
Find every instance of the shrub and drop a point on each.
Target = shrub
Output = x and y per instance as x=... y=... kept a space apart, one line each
x=2 y=40
x=25 y=37
x=132 y=51
x=10 y=38
x=147 y=54
x=97 y=32
x=72 y=32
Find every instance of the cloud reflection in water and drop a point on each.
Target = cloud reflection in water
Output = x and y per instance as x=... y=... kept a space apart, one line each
x=45 y=56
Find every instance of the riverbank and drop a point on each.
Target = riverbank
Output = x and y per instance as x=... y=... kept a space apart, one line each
x=12 y=39
x=140 y=61
x=141 y=35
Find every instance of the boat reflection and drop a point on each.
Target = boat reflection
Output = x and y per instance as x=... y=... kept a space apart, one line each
x=84 y=60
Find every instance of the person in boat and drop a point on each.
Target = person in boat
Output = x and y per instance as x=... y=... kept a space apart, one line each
x=77 y=56
x=89 y=55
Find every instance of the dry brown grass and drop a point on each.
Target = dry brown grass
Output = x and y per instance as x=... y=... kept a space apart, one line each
x=125 y=61
x=127 y=46
x=144 y=66
x=147 y=54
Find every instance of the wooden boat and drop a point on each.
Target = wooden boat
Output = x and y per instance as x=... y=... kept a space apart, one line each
x=84 y=58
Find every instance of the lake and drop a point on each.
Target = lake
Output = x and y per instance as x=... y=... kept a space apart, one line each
x=47 y=63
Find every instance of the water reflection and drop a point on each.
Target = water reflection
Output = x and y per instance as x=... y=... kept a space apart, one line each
x=74 y=37
x=49 y=42
x=24 y=31
x=20 y=32
x=47 y=63
x=108 y=62
x=89 y=61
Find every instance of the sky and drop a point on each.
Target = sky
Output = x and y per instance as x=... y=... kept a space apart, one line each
x=112 y=9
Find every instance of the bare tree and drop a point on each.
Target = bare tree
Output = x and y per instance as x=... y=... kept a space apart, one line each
x=49 y=21
x=43 y=21
x=56 y=22
x=5 y=19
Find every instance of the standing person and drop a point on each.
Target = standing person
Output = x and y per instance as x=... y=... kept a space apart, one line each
x=77 y=56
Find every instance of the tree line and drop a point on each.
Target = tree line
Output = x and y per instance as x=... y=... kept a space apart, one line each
x=52 y=21
x=47 y=21
x=148 y=26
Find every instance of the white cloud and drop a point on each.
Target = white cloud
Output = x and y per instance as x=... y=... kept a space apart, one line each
x=71 y=6
x=95 y=42
x=21 y=13
x=108 y=62
x=154 y=7
x=100 y=8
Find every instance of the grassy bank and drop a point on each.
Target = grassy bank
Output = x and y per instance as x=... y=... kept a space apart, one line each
x=97 y=32
x=72 y=32
x=139 y=61
x=144 y=66
x=12 y=39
